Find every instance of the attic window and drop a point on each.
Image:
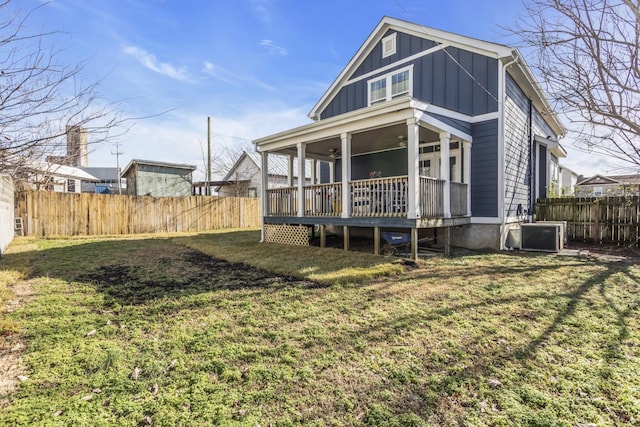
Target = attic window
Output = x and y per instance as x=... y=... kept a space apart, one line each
x=389 y=45
x=390 y=86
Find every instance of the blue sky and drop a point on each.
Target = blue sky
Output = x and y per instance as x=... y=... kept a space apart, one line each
x=254 y=66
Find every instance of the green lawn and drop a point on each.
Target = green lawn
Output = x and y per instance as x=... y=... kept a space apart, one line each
x=132 y=331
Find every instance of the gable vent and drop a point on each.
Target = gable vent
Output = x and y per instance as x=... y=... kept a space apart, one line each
x=389 y=45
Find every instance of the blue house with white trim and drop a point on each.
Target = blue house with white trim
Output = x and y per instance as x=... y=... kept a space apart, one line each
x=423 y=129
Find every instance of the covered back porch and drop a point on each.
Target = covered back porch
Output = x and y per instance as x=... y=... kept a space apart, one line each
x=388 y=165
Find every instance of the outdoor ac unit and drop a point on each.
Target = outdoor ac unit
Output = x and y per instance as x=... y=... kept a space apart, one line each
x=541 y=237
x=564 y=232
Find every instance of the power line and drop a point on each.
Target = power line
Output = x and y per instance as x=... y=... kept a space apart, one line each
x=426 y=32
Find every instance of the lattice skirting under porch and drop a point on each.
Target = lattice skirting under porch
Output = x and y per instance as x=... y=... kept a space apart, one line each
x=286 y=234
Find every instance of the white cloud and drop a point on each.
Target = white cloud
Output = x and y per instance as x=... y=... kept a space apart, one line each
x=150 y=61
x=233 y=78
x=273 y=48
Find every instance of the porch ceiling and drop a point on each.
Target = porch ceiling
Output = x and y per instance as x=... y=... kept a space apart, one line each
x=380 y=139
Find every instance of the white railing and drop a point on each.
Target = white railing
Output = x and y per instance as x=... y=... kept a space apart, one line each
x=323 y=199
x=431 y=197
x=459 y=199
x=282 y=201
x=378 y=197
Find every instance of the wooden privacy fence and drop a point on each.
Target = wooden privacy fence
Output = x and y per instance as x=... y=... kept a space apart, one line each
x=598 y=219
x=67 y=214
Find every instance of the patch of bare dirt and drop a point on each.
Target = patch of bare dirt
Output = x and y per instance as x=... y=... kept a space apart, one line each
x=607 y=253
x=13 y=345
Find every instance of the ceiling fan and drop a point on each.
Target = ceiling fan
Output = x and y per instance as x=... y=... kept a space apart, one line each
x=333 y=153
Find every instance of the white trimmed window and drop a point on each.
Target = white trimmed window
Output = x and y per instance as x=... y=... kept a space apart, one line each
x=389 y=86
x=389 y=45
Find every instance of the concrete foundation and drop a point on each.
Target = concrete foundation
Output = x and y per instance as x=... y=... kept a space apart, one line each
x=476 y=236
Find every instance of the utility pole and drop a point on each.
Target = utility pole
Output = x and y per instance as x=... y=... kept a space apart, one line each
x=118 y=153
x=208 y=192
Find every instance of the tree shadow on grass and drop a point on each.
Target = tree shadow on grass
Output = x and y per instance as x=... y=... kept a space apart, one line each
x=440 y=398
x=134 y=272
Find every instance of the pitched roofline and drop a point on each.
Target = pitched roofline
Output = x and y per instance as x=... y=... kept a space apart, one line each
x=237 y=163
x=386 y=23
x=613 y=181
x=154 y=163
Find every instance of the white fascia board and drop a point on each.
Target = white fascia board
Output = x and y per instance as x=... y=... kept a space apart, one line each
x=492 y=50
x=362 y=119
x=554 y=146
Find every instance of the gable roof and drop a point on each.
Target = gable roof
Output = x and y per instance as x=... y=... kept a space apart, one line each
x=62 y=171
x=160 y=164
x=522 y=72
x=611 y=180
x=278 y=165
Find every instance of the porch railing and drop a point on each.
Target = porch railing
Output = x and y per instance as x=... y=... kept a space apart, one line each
x=282 y=201
x=379 y=197
x=431 y=197
x=458 y=195
x=323 y=199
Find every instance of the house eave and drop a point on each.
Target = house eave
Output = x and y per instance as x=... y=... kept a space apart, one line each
x=402 y=107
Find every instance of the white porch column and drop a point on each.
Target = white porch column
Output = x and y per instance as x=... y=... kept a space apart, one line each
x=445 y=138
x=466 y=173
x=314 y=172
x=301 y=177
x=264 y=182
x=332 y=171
x=346 y=173
x=289 y=170
x=413 y=168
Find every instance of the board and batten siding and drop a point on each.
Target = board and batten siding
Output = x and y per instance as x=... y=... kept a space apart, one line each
x=484 y=169
x=437 y=78
x=517 y=150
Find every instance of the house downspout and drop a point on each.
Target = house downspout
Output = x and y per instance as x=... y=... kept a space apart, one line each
x=501 y=147
x=532 y=166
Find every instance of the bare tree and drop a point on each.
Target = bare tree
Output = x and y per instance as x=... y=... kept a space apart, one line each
x=40 y=96
x=588 y=55
x=226 y=152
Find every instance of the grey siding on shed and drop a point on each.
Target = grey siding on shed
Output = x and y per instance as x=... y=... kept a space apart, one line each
x=437 y=78
x=484 y=169
x=517 y=151
x=159 y=181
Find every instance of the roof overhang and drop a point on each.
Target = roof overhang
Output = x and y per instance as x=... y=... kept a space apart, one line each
x=552 y=145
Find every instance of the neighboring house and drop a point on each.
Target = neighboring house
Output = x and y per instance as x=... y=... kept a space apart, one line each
x=55 y=177
x=158 y=179
x=612 y=185
x=244 y=177
x=422 y=129
x=108 y=184
x=565 y=183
